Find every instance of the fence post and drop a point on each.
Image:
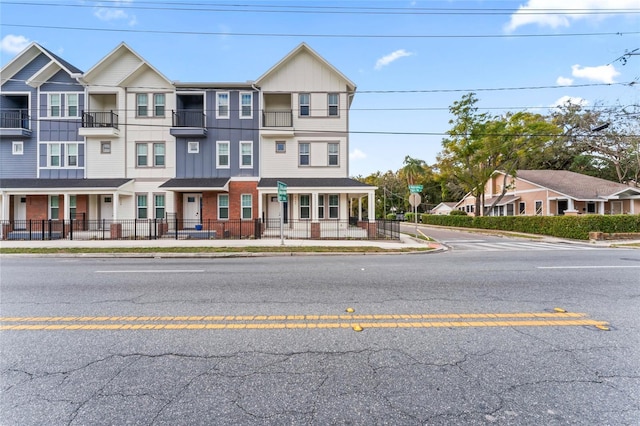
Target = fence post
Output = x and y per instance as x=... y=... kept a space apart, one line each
x=176 y=226
x=70 y=229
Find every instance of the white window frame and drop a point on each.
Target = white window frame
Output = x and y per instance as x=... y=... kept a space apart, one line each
x=75 y=104
x=244 y=206
x=17 y=148
x=333 y=106
x=68 y=155
x=541 y=210
x=307 y=154
x=105 y=147
x=306 y=104
x=223 y=207
x=305 y=206
x=146 y=154
x=73 y=206
x=159 y=202
x=334 y=207
x=335 y=154
x=244 y=144
x=283 y=149
x=321 y=209
x=50 y=154
x=522 y=211
x=218 y=145
x=157 y=104
x=157 y=156
x=219 y=97
x=193 y=147
x=54 y=199
x=51 y=105
x=139 y=104
x=140 y=208
x=243 y=107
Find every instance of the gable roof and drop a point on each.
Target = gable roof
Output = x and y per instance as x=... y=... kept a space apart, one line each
x=304 y=47
x=574 y=185
x=29 y=54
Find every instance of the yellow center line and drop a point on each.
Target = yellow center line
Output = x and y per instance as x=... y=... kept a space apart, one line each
x=272 y=322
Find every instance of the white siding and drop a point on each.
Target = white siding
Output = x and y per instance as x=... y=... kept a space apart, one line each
x=286 y=164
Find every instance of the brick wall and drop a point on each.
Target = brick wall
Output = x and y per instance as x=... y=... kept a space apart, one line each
x=236 y=189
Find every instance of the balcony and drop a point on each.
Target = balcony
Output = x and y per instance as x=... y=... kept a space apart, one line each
x=15 y=123
x=189 y=123
x=277 y=123
x=100 y=124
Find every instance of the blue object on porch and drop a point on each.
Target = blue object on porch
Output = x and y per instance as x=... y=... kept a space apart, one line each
x=198 y=227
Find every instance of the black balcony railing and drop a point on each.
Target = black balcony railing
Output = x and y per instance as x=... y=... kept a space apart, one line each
x=100 y=119
x=277 y=119
x=14 y=119
x=189 y=118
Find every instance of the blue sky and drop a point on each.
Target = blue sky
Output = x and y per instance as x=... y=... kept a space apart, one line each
x=409 y=59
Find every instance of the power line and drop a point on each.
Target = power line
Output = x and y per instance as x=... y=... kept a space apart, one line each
x=284 y=35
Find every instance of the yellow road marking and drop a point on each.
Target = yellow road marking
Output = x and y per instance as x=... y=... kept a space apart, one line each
x=273 y=322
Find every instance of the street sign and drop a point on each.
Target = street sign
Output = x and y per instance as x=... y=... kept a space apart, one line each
x=282 y=191
x=415 y=199
x=414 y=189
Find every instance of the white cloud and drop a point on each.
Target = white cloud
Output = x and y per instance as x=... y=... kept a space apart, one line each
x=564 y=81
x=573 y=10
x=13 y=44
x=569 y=100
x=391 y=57
x=603 y=73
x=357 y=154
x=112 y=14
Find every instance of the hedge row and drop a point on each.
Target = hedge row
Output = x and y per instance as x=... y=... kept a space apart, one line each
x=575 y=227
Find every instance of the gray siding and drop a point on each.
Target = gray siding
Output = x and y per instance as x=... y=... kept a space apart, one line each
x=233 y=129
x=18 y=166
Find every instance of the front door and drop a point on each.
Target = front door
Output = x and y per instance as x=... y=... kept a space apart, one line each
x=106 y=208
x=562 y=206
x=20 y=211
x=192 y=208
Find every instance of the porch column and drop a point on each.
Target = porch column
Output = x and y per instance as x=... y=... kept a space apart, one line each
x=372 y=206
x=66 y=215
x=6 y=202
x=314 y=206
x=570 y=204
x=116 y=201
x=260 y=203
x=601 y=207
x=359 y=209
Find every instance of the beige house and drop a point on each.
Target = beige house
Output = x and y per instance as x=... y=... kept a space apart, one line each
x=443 y=208
x=554 y=192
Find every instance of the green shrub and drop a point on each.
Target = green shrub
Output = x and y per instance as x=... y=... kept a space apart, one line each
x=457 y=213
x=391 y=216
x=574 y=227
x=409 y=217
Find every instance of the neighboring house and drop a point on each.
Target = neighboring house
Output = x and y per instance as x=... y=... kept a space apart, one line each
x=42 y=156
x=304 y=143
x=443 y=208
x=216 y=128
x=555 y=192
x=126 y=123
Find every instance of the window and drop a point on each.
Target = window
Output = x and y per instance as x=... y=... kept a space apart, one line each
x=591 y=207
x=193 y=147
x=246 y=155
x=142 y=103
x=158 y=154
x=223 y=206
x=141 y=206
x=305 y=207
x=54 y=104
x=142 y=153
x=246 y=204
x=334 y=151
x=303 y=150
x=334 y=103
x=54 y=155
x=281 y=147
x=222 y=158
x=159 y=206
x=158 y=105
x=54 y=207
x=522 y=208
x=72 y=206
x=320 y=206
x=72 y=105
x=246 y=105
x=222 y=110
x=17 y=148
x=538 y=208
x=105 y=147
x=304 y=104
x=333 y=206
x=72 y=155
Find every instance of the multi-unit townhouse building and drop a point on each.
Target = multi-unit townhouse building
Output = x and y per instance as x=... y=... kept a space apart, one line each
x=121 y=142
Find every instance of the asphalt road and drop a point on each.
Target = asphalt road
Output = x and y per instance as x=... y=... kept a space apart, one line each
x=460 y=337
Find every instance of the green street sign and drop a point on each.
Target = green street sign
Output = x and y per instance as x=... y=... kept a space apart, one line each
x=414 y=189
x=282 y=191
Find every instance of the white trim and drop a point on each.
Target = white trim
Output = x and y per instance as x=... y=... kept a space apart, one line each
x=245 y=166
x=14 y=148
x=245 y=117
x=218 y=115
x=218 y=144
x=193 y=147
x=218 y=206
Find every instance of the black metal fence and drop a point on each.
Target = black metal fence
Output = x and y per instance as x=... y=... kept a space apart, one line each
x=174 y=228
